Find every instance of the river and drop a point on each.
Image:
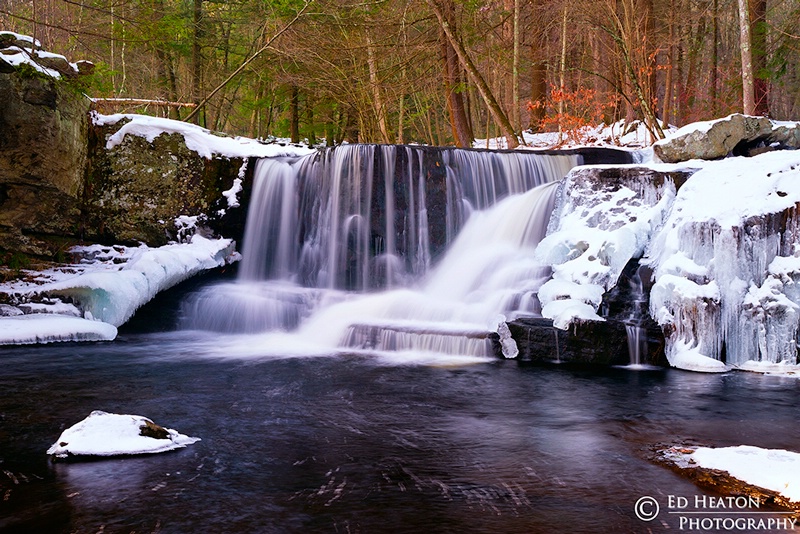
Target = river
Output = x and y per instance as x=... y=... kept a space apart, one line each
x=361 y=444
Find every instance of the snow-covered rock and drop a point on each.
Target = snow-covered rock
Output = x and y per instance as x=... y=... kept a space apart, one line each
x=114 y=296
x=718 y=138
x=604 y=217
x=726 y=262
x=108 y=434
x=49 y=328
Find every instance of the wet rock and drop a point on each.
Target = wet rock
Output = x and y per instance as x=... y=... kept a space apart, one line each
x=674 y=457
x=588 y=342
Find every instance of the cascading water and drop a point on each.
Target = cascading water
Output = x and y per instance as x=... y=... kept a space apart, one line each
x=389 y=248
x=637 y=335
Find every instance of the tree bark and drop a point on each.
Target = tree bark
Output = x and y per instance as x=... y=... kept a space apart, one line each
x=459 y=121
x=377 y=99
x=197 y=55
x=494 y=108
x=758 y=36
x=748 y=85
x=294 y=115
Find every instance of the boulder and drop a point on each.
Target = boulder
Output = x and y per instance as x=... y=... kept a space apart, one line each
x=56 y=63
x=589 y=342
x=713 y=139
x=43 y=152
x=136 y=189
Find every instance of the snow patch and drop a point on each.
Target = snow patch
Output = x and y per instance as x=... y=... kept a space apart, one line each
x=49 y=328
x=198 y=139
x=108 y=434
x=773 y=469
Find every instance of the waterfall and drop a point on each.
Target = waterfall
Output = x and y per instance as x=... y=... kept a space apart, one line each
x=389 y=248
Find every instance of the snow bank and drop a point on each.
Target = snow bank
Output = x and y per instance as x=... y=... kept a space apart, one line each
x=726 y=263
x=198 y=139
x=48 y=328
x=114 y=296
x=108 y=434
x=773 y=469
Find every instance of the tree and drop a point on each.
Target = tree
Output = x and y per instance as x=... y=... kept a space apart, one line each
x=748 y=78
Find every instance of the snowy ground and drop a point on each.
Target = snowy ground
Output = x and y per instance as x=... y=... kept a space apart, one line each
x=777 y=470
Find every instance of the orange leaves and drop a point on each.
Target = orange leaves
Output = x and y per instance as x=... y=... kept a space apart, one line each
x=573 y=113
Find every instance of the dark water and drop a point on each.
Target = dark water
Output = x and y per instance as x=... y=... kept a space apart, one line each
x=347 y=444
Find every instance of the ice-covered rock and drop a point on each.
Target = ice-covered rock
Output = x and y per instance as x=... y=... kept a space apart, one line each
x=604 y=217
x=114 y=296
x=109 y=434
x=49 y=328
x=726 y=263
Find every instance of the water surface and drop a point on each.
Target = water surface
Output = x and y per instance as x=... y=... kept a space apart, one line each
x=355 y=444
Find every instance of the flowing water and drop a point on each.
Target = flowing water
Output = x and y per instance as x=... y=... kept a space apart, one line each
x=346 y=381
x=361 y=444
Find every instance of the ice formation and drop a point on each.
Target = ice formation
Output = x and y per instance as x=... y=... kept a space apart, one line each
x=599 y=224
x=726 y=264
x=114 y=296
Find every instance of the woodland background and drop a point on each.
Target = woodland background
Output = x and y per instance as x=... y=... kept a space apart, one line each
x=433 y=71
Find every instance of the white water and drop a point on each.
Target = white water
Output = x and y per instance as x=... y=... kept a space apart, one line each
x=321 y=233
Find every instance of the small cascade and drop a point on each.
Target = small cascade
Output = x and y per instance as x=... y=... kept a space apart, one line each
x=447 y=235
x=637 y=343
x=638 y=302
x=270 y=238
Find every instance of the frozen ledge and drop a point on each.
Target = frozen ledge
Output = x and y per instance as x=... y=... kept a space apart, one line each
x=114 y=296
x=49 y=328
x=88 y=301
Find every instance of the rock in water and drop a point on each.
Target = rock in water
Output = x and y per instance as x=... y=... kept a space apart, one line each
x=108 y=434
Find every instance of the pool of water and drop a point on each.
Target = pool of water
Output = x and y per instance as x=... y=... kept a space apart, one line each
x=361 y=444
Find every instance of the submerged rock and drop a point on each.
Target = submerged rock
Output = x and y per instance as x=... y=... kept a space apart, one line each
x=755 y=477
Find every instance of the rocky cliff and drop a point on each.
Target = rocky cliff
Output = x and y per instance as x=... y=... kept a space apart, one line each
x=44 y=126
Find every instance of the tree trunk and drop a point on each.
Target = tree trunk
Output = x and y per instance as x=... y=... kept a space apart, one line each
x=197 y=57
x=748 y=85
x=758 y=35
x=294 y=115
x=377 y=99
x=538 y=87
x=494 y=108
x=459 y=122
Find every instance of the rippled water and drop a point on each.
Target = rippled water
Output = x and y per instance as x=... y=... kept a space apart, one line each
x=355 y=444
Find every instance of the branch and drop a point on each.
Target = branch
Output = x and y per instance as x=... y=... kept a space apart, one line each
x=247 y=61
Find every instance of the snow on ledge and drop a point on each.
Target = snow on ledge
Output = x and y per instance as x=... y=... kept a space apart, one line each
x=114 y=296
x=108 y=434
x=198 y=139
x=49 y=328
x=773 y=469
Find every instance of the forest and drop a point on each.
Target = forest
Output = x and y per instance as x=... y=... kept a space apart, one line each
x=442 y=72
